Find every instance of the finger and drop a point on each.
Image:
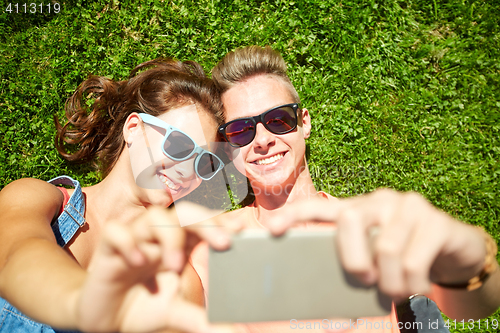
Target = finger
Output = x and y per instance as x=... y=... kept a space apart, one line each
x=310 y=210
x=222 y=328
x=117 y=238
x=234 y=221
x=404 y=212
x=171 y=237
x=176 y=241
x=384 y=204
x=354 y=247
x=378 y=207
x=213 y=232
x=423 y=249
x=216 y=230
x=151 y=252
x=218 y=328
x=184 y=316
x=321 y=210
x=145 y=239
x=187 y=317
x=141 y=228
x=355 y=220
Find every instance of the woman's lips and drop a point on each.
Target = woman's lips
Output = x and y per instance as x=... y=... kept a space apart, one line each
x=169 y=184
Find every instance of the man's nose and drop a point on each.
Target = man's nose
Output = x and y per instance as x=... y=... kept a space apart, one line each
x=263 y=138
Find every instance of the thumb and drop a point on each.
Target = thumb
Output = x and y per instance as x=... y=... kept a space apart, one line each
x=188 y=317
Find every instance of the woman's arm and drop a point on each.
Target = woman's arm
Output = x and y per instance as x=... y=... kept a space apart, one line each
x=34 y=270
x=134 y=282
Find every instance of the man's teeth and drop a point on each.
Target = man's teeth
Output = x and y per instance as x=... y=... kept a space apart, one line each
x=171 y=185
x=270 y=160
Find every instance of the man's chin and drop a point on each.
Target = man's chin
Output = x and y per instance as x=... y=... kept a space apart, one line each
x=271 y=185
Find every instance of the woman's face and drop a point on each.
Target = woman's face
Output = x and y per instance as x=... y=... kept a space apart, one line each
x=165 y=179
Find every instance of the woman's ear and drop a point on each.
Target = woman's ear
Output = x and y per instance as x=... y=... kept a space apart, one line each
x=132 y=125
x=306 y=122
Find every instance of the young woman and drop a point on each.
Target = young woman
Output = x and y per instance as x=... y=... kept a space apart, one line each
x=97 y=258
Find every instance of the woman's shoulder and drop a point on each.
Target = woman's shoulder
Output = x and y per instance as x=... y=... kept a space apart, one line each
x=28 y=186
x=27 y=208
x=30 y=194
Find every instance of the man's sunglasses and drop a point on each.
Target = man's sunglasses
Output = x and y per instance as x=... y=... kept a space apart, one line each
x=279 y=120
x=179 y=146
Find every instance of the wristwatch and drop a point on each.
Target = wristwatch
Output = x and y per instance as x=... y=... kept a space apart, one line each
x=490 y=266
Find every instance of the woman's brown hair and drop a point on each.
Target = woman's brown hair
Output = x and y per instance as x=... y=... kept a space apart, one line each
x=97 y=131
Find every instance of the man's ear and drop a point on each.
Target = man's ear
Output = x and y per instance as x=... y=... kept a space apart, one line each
x=132 y=125
x=306 y=122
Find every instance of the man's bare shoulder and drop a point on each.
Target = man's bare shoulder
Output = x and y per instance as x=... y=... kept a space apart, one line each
x=237 y=213
x=327 y=196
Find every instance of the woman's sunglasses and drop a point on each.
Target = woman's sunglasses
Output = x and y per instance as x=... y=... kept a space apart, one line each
x=279 y=120
x=179 y=146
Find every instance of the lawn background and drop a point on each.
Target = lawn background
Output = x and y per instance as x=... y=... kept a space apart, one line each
x=403 y=94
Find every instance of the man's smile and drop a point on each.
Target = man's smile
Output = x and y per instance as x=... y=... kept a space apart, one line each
x=270 y=159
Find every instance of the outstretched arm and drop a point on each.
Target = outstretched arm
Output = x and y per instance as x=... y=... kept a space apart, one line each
x=34 y=270
x=417 y=246
x=133 y=283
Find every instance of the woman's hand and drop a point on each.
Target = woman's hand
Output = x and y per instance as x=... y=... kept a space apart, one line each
x=133 y=281
x=416 y=244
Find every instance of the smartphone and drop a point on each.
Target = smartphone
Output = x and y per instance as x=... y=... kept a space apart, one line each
x=295 y=276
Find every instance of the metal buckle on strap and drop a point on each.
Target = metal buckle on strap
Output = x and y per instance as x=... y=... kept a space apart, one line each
x=80 y=224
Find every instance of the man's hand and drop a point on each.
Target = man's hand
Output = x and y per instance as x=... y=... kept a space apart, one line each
x=416 y=244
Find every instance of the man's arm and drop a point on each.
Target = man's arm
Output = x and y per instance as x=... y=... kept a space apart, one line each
x=475 y=304
x=417 y=245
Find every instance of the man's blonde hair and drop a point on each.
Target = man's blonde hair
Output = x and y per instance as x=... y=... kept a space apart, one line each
x=243 y=63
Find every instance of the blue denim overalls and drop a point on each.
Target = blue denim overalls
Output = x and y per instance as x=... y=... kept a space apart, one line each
x=66 y=226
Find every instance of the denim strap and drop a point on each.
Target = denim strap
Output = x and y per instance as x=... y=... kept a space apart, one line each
x=73 y=216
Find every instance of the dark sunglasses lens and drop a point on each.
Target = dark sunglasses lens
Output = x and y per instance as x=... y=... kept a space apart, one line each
x=240 y=132
x=280 y=120
x=178 y=145
x=208 y=165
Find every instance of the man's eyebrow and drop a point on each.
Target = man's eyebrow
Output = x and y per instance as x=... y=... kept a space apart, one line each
x=240 y=118
x=269 y=109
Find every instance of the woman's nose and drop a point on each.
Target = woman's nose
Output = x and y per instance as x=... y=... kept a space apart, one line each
x=185 y=169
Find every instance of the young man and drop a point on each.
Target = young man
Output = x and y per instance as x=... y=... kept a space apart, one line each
x=419 y=249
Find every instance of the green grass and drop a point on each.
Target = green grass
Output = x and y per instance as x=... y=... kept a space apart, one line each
x=403 y=94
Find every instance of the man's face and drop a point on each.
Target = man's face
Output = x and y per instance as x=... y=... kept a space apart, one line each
x=270 y=159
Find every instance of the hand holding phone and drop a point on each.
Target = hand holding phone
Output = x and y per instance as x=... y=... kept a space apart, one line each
x=295 y=276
